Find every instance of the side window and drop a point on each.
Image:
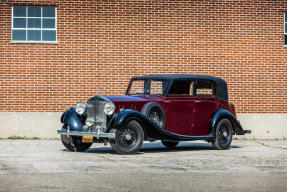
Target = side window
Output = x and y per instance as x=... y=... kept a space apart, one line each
x=181 y=87
x=156 y=87
x=204 y=87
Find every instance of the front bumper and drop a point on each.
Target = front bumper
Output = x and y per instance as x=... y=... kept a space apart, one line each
x=97 y=134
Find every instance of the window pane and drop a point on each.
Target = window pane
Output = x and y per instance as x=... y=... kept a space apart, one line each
x=285 y=27
x=49 y=35
x=19 y=35
x=182 y=87
x=19 y=23
x=34 y=23
x=156 y=87
x=34 y=11
x=137 y=87
x=204 y=88
x=48 y=11
x=285 y=39
x=19 y=11
x=48 y=23
x=34 y=35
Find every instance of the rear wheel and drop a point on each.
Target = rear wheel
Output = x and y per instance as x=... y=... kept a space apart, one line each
x=170 y=144
x=129 y=138
x=74 y=143
x=223 y=135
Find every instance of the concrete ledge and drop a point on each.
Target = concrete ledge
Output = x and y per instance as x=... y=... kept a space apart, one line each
x=45 y=125
x=30 y=124
x=264 y=126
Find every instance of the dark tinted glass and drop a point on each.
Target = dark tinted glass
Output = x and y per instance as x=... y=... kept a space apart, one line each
x=48 y=23
x=34 y=11
x=19 y=23
x=19 y=11
x=285 y=39
x=19 y=35
x=48 y=11
x=180 y=87
x=34 y=35
x=49 y=35
x=34 y=23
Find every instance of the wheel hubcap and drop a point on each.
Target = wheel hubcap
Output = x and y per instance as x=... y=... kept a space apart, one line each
x=127 y=137
x=223 y=135
x=155 y=117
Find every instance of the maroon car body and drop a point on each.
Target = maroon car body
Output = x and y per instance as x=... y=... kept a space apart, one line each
x=170 y=108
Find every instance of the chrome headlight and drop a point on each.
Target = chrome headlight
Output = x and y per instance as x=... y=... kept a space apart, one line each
x=81 y=107
x=109 y=108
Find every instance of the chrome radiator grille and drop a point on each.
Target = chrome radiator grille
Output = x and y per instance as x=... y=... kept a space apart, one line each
x=95 y=110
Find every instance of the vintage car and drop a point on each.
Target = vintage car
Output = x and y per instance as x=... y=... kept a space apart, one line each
x=170 y=108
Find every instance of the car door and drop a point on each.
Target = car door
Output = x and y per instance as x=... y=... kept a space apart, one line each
x=205 y=106
x=179 y=107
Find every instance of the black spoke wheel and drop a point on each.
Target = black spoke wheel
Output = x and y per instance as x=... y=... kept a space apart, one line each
x=170 y=144
x=129 y=138
x=74 y=143
x=223 y=135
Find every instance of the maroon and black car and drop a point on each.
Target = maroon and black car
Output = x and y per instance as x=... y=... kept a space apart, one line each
x=169 y=108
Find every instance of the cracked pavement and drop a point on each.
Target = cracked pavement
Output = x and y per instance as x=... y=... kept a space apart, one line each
x=45 y=165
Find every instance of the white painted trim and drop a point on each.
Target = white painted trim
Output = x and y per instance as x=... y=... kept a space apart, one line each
x=35 y=42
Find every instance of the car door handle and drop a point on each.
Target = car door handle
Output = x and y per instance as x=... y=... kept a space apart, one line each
x=197 y=102
x=167 y=101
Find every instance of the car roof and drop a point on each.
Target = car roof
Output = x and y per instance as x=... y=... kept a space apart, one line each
x=221 y=86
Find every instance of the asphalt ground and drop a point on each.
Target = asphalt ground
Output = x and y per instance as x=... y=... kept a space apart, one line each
x=45 y=165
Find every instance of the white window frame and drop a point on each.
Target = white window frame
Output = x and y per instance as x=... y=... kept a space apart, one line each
x=39 y=29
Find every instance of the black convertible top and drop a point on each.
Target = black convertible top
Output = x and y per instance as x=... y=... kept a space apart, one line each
x=221 y=86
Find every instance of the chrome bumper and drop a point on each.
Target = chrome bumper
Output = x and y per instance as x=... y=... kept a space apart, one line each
x=97 y=134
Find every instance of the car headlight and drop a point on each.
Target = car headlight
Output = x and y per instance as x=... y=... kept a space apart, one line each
x=81 y=107
x=109 y=108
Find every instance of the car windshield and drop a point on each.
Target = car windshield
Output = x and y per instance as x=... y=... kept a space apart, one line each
x=152 y=87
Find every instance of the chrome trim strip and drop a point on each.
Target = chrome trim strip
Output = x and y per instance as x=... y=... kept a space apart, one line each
x=97 y=134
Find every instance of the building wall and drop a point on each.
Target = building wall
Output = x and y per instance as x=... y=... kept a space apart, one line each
x=101 y=44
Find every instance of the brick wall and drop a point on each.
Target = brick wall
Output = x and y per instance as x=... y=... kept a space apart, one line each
x=104 y=43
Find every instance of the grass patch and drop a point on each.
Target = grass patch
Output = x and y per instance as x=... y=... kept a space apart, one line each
x=14 y=137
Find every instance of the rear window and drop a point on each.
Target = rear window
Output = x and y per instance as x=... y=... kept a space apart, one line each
x=204 y=87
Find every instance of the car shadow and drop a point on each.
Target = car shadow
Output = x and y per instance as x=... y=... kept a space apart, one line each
x=157 y=147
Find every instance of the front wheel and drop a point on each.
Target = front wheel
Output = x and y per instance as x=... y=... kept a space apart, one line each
x=223 y=135
x=74 y=143
x=129 y=138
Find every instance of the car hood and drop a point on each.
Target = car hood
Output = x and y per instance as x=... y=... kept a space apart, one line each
x=126 y=98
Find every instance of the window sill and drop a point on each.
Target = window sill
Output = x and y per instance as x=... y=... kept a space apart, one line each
x=35 y=42
x=285 y=46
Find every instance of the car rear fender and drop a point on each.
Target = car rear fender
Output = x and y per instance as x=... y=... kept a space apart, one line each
x=70 y=118
x=222 y=113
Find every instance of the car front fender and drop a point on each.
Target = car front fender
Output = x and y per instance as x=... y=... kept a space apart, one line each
x=70 y=118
